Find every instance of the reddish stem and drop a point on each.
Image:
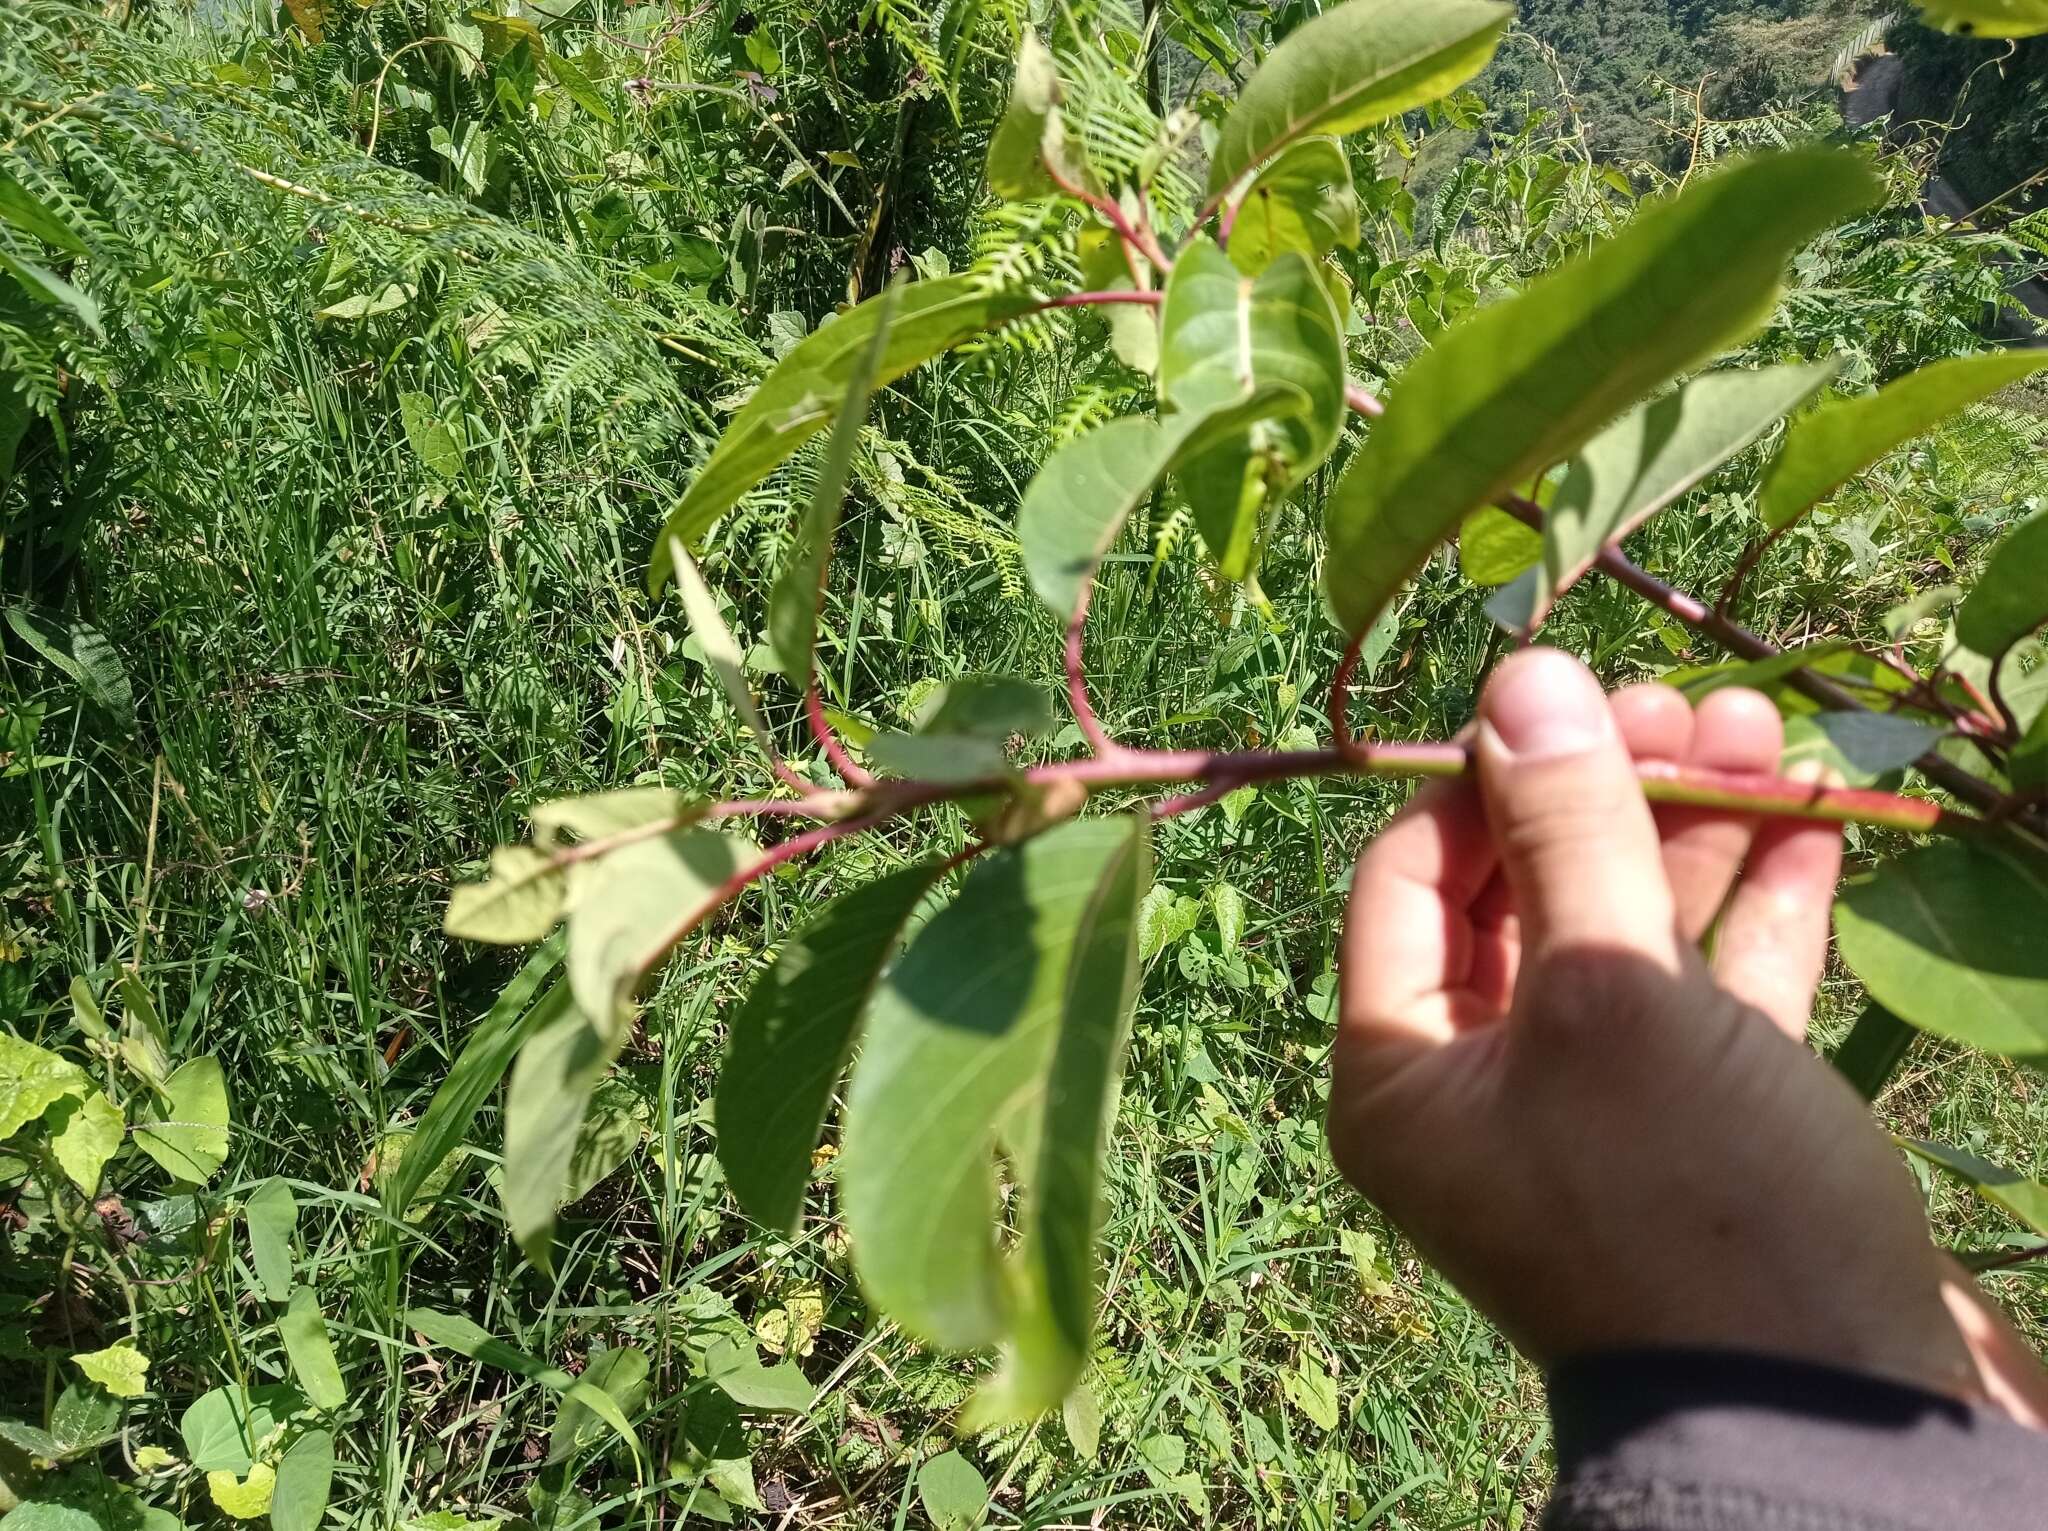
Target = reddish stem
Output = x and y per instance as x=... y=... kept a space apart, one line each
x=1077 y=679
x=1139 y=239
x=821 y=730
x=1362 y=402
x=1114 y=295
x=788 y=851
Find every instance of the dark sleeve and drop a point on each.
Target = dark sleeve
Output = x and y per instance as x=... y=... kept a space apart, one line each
x=1717 y=1441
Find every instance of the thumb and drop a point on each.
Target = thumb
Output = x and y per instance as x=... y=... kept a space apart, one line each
x=1577 y=844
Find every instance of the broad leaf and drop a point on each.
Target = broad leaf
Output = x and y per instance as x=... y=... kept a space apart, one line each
x=802 y=395
x=1523 y=383
x=1844 y=436
x=429 y=436
x=615 y=1123
x=2010 y=599
x=1860 y=747
x=793 y=604
x=2027 y=765
x=631 y=905
x=1303 y=203
x=1031 y=135
x=621 y=1374
x=271 y=1215
x=85 y=1132
x=1228 y=338
x=791 y=1041
x=1988 y=18
x=1356 y=64
x=736 y=1368
x=961 y=731
x=120 y=1368
x=305 y=1478
x=1948 y=937
x=241 y=1498
x=721 y=649
x=519 y=902
x=552 y=1082
x=1494 y=548
x=602 y=815
x=222 y=1429
x=187 y=1133
x=1651 y=456
x=953 y=1492
x=463 y=1335
x=304 y=1333
x=1005 y=1020
x=515 y=1016
x=2025 y=1199
x=1109 y=265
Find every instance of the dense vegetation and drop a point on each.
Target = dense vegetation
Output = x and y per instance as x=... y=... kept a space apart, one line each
x=351 y=362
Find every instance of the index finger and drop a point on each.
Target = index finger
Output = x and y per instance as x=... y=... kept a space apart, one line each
x=1409 y=936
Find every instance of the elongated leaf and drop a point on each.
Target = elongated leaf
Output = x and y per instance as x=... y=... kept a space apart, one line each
x=519 y=902
x=1356 y=64
x=271 y=1215
x=2025 y=1199
x=601 y=815
x=1871 y=1053
x=802 y=395
x=1109 y=265
x=45 y=286
x=1948 y=937
x=85 y=1132
x=721 y=649
x=2010 y=599
x=793 y=604
x=1845 y=436
x=2027 y=765
x=463 y=1335
x=1005 y=1019
x=1303 y=203
x=552 y=1082
x=304 y=1333
x=1524 y=383
x=621 y=1374
x=305 y=1479
x=520 y=1011
x=1031 y=135
x=1651 y=456
x=791 y=1041
x=1988 y=18
x=1860 y=747
x=1229 y=337
x=29 y=213
x=633 y=904
x=188 y=1133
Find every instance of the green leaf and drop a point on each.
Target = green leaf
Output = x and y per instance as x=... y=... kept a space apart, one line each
x=431 y=439
x=615 y=1124
x=1229 y=338
x=1948 y=937
x=2027 y=765
x=806 y=388
x=1523 y=383
x=85 y=1132
x=520 y=901
x=1651 y=456
x=1082 y=1416
x=1358 y=63
x=463 y=1335
x=45 y=286
x=792 y=1038
x=1493 y=547
x=621 y=1375
x=514 y=1017
x=272 y=1216
x=953 y=1492
x=631 y=905
x=961 y=730
x=736 y=1367
x=187 y=1132
x=86 y=655
x=35 y=217
x=305 y=1478
x=42 y=1515
x=1005 y=1019
x=1825 y=449
x=304 y=1333
x=721 y=649
x=389 y=298
x=793 y=603
x=2010 y=598
x=1303 y=203
x=1860 y=747
x=552 y=1082
x=2025 y=1199
x=120 y=1368
x=222 y=1431
x=1031 y=135
x=602 y=815
x=1228 y=905
x=243 y=1498
x=1988 y=18
x=1314 y=1391
x=1871 y=1053
x=579 y=88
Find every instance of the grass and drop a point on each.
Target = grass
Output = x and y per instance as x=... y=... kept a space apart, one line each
x=352 y=677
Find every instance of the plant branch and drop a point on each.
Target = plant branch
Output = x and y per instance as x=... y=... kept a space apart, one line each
x=1077 y=679
x=1362 y=402
x=1138 y=239
x=1114 y=295
x=821 y=730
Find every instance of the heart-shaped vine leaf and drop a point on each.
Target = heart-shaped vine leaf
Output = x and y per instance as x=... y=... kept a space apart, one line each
x=1844 y=436
x=1356 y=64
x=1004 y=1024
x=1522 y=384
x=805 y=391
x=1303 y=203
x=2010 y=598
x=1948 y=937
x=791 y=1041
x=186 y=1130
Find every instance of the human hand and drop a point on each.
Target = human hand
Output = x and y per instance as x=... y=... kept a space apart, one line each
x=1604 y=1139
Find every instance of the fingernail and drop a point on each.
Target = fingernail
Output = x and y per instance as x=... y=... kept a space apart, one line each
x=1543 y=703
